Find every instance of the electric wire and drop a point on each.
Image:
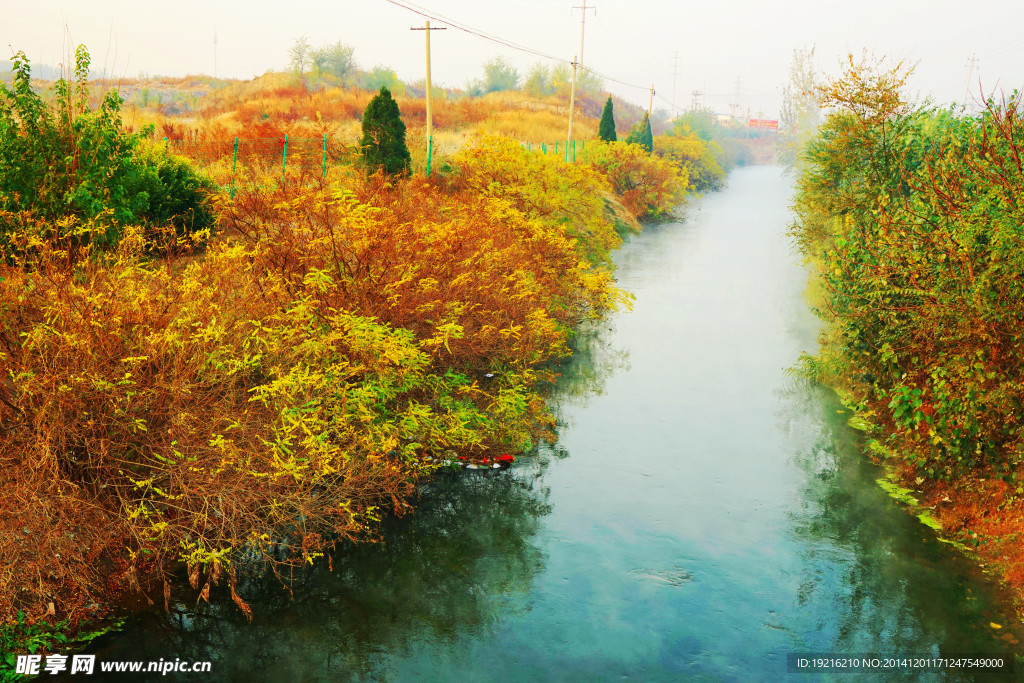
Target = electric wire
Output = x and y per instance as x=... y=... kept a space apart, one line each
x=465 y=28
x=613 y=80
x=430 y=14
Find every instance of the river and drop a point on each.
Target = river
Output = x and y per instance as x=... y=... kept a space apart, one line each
x=704 y=516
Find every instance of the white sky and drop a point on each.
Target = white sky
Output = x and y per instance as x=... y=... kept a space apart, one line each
x=734 y=50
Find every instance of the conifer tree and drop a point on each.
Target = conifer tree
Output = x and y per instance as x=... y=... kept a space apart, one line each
x=383 y=144
x=606 y=131
x=641 y=134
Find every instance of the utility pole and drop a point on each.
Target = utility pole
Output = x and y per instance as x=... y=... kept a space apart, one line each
x=675 y=70
x=430 y=118
x=971 y=64
x=577 y=63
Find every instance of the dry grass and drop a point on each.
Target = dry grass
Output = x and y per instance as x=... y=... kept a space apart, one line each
x=277 y=104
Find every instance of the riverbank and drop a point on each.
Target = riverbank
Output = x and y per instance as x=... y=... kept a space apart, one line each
x=703 y=515
x=293 y=376
x=910 y=218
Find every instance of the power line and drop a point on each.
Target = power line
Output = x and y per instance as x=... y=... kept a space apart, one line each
x=1007 y=49
x=427 y=14
x=615 y=80
x=465 y=28
x=670 y=104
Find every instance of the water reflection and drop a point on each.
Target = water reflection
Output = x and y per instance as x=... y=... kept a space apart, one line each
x=445 y=571
x=593 y=362
x=877 y=579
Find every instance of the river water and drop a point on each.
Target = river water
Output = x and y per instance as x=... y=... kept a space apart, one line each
x=704 y=516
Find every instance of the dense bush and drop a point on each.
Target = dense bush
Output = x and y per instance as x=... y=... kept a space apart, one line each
x=567 y=197
x=68 y=161
x=648 y=185
x=152 y=413
x=641 y=134
x=285 y=389
x=697 y=157
x=913 y=217
x=177 y=195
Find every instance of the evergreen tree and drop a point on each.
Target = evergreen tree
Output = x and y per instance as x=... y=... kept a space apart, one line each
x=383 y=144
x=641 y=134
x=606 y=131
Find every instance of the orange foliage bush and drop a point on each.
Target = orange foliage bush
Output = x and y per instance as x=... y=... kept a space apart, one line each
x=273 y=394
x=649 y=186
x=571 y=198
x=265 y=394
x=177 y=411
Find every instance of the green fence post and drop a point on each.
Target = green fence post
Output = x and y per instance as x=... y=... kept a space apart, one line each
x=234 y=164
x=529 y=146
x=574 y=151
x=544 y=146
x=556 y=148
x=430 y=152
x=325 y=155
x=284 y=158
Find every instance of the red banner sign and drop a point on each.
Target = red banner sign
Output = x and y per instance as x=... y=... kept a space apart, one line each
x=763 y=123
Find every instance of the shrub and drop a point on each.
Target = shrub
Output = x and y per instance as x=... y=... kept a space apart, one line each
x=641 y=135
x=912 y=218
x=275 y=395
x=152 y=412
x=177 y=195
x=568 y=197
x=68 y=161
x=696 y=156
x=649 y=186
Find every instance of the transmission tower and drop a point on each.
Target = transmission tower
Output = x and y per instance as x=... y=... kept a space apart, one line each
x=972 y=64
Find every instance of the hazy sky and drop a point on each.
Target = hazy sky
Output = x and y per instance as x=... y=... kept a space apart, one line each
x=736 y=51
